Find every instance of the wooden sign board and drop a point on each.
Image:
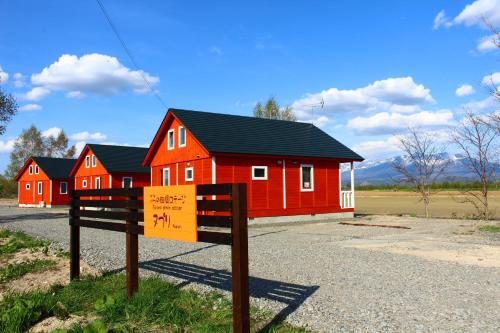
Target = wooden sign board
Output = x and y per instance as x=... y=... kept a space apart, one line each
x=170 y=212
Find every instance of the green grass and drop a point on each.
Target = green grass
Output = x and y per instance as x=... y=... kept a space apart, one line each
x=19 y=240
x=14 y=271
x=158 y=306
x=490 y=228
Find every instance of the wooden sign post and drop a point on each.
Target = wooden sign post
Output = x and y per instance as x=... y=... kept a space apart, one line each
x=170 y=212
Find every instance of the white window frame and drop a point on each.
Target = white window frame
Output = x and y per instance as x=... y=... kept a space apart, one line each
x=185 y=138
x=27 y=186
x=131 y=181
x=39 y=188
x=302 y=189
x=97 y=180
x=37 y=169
x=94 y=161
x=84 y=183
x=259 y=167
x=163 y=176
x=186 y=174
x=87 y=161
x=171 y=142
x=31 y=170
x=60 y=188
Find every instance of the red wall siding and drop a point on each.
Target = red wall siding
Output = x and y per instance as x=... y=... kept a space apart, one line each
x=57 y=197
x=265 y=197
x=31 y=196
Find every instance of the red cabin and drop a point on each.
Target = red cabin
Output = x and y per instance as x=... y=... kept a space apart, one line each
x=107 y=166
x=45 y=181
x=292 y=169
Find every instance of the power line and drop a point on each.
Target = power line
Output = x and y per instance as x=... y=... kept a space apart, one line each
x=113 y=27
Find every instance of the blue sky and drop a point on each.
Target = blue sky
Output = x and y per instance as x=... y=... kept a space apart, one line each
x=378 y=65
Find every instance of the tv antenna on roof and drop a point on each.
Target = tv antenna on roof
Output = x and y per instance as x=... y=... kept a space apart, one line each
x=320 y=105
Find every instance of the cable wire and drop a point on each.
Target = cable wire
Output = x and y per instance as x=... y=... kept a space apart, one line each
x=122 y=42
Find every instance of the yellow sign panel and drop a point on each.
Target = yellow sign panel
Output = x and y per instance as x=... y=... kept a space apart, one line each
x=170 y=212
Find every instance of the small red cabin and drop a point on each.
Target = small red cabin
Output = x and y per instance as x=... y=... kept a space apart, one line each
x=292 y=169
x=45 y=181
x=107 y=166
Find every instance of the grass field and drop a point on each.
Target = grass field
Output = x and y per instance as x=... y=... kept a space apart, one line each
x=443 y=204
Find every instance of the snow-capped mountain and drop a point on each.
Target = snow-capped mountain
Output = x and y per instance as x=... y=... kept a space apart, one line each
x=376 y=172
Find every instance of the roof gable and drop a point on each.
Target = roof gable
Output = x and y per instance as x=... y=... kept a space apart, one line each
x=116 y=158
x=224 y=133
x=54 y=168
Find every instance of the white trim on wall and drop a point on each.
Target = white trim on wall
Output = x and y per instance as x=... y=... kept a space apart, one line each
x=27 y=186
x=214 y=174
x=302 y=189
x=131 y=181
x=97 y=180
x=60 y=188
x=50 y=190
x=94 y=161
x=87 y=161
x=259 y=167
x=186 y=174
x=39 y=188
x=84 y=183
x=173 y=139
x=37 y=169
x=284 y=185
x=181 y=145
x=30 y=171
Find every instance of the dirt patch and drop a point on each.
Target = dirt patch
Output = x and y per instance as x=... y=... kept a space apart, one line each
x=42 y=279
x=53 y=323
x=434 y=249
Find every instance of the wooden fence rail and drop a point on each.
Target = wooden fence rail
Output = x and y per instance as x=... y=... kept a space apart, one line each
x=89 y=212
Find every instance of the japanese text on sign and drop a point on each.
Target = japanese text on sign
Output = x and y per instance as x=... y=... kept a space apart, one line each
x=170 y=212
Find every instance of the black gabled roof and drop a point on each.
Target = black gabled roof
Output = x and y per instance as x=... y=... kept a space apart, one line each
x=55 y=168
x=120 y=158
x=224 y=133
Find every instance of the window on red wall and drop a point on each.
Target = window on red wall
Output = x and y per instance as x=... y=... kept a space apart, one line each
x=63 y=188
x=306 y=178
x=171 y=139
x=31 y=170
x=127 y=182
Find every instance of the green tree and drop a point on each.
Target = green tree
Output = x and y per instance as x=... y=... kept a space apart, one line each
x=8 y=108
x=58 y=146
x=272 y=110
x=29 y=143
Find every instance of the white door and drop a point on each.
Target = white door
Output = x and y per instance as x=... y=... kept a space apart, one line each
x=166 y=177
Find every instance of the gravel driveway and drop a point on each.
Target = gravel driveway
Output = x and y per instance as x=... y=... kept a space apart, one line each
x=326 y=276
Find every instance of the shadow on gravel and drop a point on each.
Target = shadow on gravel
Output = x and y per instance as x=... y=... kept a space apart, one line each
x=292 y=295
x=38 y=216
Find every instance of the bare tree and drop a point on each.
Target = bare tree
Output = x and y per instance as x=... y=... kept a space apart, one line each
x=493 y=86
x=425 y=163
x=478 y=140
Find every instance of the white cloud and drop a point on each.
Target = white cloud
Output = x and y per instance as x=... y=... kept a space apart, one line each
x=387 y=123
x=36 y=94
x=75 y=94
x=485 y=104
x=87 y=136
x=473 y=13
x=492 y=79
x=215 y=50
x=79 y=147
x=320 y=121
x=52 y=132
x=464 y=90
x=19 y=80
x=396 y=94
x=4 y=76
x=7 y=146
x=441 y=20
x=487 y=43
x=95 y=73
x=30 y=107
x=369 y=149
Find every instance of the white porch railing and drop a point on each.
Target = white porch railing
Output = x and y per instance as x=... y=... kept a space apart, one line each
x=346 y=199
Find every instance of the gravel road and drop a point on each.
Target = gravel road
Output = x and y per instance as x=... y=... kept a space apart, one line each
x=326 y=276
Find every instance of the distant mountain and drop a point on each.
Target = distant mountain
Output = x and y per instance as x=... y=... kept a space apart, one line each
x=378 y=172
